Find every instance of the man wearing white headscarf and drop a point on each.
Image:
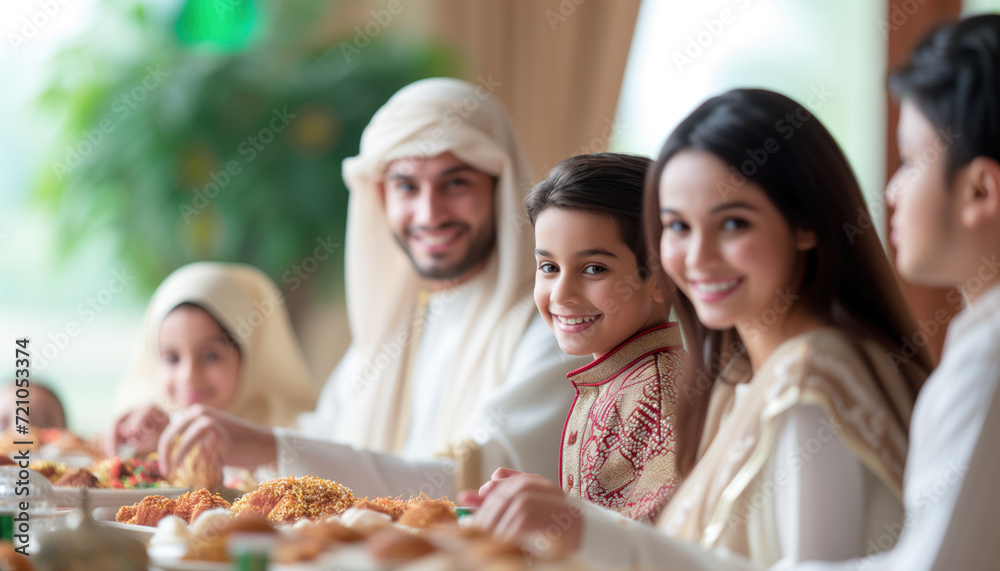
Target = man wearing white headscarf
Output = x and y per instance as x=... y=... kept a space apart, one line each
x=451 y=372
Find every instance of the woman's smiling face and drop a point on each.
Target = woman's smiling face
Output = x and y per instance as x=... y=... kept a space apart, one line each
x=728 y=248
x=587 y=284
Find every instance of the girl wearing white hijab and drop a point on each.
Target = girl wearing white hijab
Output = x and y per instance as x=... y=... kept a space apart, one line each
x=438 y=388
x=219 y=335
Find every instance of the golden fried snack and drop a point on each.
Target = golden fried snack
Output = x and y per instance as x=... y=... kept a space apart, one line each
x=392 y=507
x=201 y=468
x=191 y=504
x=428 y=514
x=147 y=512
x=289 y=499
x=391 y=544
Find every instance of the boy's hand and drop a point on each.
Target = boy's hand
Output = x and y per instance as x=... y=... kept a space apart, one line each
x=513 y=504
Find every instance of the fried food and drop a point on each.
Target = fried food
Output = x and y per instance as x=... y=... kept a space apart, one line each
x=191 y=504
x=152 y=509
x=392 y=507
x=290 y=499
x=148 y=512
x=429 y=514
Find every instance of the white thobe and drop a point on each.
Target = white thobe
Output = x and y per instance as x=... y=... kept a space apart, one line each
x=519 y=426
x=952 y=508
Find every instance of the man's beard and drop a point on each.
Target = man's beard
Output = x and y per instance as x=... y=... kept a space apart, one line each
x=480 y=247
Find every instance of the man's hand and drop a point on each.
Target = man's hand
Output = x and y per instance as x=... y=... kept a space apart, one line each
x=241 y=443
x=138 y=430
x=513 y=504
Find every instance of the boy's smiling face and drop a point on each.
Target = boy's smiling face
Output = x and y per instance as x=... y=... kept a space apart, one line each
x=587 y=284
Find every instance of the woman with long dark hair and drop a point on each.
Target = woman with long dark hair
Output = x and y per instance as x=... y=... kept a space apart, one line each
x=805 y=364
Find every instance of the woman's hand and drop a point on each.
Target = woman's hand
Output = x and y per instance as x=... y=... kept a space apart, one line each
x=137 y=430
x=241 y=443
x=513 y=504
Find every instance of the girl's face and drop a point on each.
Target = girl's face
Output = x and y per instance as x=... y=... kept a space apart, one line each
x=727 y=247
x=198 y=363
x=587 y=284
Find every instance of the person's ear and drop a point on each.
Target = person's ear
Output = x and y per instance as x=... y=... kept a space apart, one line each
x=663 y=287
x=805 y=240
x=978 y=192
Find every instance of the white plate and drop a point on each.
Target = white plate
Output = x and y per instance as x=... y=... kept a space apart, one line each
x=141 y=532
x=109 y=497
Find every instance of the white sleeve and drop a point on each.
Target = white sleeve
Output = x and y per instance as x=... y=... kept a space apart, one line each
x=611 y=541
x=519 y=426
x=365 y=472
x=820 y=491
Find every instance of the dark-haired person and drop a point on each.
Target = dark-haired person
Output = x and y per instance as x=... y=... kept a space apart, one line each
x=594 y=288
x=793 y=416
x=46 y=410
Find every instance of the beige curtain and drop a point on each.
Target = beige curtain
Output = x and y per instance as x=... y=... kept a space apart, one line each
x=559 y=65
x=556 y=65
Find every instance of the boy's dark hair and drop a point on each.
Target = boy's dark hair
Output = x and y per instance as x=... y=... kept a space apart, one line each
x=953 y=77
x=610 y=184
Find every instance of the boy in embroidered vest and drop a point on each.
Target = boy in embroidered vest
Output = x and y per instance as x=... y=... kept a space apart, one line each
x=595 y=289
